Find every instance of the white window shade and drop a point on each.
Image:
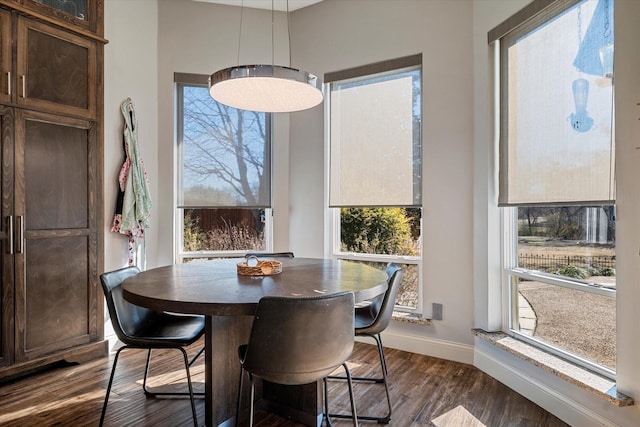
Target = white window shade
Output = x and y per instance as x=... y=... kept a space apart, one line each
x=557 y=141
x=375 y=141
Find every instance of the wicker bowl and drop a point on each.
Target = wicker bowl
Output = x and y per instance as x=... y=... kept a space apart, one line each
x=259 y=268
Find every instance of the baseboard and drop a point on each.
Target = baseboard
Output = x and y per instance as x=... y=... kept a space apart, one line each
x=442 y=349
x=572 y=405
x=528 y=384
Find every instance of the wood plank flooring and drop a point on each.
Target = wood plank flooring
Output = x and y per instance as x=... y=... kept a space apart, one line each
x=425 y=391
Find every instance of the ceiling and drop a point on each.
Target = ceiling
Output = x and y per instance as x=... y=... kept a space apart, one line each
x=266 y=4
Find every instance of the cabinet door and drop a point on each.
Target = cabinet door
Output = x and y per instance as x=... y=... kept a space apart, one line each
x=5 y=56
x=56 y=70
x=56 y=211
x=79 y=14
x=7 y=294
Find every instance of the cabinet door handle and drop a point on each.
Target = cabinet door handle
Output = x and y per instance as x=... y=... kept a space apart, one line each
x=19 y=234
x=9 y=83
x=10 y=235
x=23 y=78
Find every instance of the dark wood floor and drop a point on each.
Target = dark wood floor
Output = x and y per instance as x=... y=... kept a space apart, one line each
x=425 y=391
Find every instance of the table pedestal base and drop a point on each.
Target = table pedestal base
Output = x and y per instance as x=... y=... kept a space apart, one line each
x=223 y=336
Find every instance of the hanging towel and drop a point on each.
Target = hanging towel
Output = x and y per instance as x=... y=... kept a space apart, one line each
x=133 y=207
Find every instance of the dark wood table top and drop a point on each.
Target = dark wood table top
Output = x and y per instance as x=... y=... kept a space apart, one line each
x=214 y=288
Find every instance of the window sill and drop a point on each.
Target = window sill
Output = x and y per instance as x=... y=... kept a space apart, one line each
x=410 y=318
x=589 y=381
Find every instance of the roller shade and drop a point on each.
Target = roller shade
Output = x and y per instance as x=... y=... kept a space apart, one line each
x=375 y=142
x=557 y=135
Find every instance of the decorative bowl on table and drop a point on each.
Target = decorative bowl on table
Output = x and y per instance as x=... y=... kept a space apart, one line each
x=257 y=267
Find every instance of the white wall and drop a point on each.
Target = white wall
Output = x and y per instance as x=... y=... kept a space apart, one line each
x=130 y=70
x=334 y=35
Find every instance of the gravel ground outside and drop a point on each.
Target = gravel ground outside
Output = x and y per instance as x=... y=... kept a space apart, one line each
x=579 y=322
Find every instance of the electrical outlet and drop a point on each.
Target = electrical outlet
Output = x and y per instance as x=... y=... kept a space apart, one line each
x=436 y=311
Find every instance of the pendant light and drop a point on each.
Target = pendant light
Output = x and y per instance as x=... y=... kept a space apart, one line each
x=266 y=88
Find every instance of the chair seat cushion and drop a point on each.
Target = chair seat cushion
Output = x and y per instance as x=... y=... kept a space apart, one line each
x=167 y=329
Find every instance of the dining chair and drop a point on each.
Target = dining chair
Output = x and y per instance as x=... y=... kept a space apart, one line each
x=270 y=254
x=370 y=321
x=298 y=340
x=142 y=328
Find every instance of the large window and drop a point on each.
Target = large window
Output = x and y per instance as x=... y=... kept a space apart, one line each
x=223 y=175
x=557 y=185
x=375 y=173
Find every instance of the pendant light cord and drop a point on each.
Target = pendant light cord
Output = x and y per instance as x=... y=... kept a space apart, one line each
x=240 y=32
x=273 y=61
x=289 y=32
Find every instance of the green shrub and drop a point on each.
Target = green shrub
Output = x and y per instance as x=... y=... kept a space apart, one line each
x=604 y=271
x=574 y=272
x=376 y=230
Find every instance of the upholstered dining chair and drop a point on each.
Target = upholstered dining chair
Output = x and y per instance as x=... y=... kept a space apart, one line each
x=370 y=321
x=139 y=327
x=298 y=340
x=270 y=254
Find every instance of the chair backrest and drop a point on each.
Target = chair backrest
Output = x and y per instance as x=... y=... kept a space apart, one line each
x=299 y=340
x=125 y=317
x=383 y=307
x=270 y=254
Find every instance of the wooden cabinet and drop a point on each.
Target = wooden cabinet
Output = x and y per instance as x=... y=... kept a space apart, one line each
x=51 y=192
x=56 y=70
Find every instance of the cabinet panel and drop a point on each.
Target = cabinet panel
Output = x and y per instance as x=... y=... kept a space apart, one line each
x=74 y=8
x=56 y=250
x=55 y=164
x=56 y=70
x=5 y=56
x=56 y=277
x=74 y=14
x=7 y=293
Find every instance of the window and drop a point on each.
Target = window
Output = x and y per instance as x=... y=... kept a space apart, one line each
x=375 y=173
x=557 y=188
x=223 y=171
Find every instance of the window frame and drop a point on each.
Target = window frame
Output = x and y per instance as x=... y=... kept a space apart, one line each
x=510 y=271
x=332 y=215
x=180 y=256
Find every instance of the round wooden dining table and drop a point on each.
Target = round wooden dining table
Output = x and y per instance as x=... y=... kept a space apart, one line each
x=228 y=301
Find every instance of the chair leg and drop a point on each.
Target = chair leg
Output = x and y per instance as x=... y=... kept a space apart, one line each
x=144 y=384
x=193 y=404
x=190 y=393
x=239 y=396
x=383 y=363
x=252 y=394
x=106 y=397
x=196 y=356
x=150 y=393
x=351 y=396
x=325 y=389
x=383 y=367
x=146 y=372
